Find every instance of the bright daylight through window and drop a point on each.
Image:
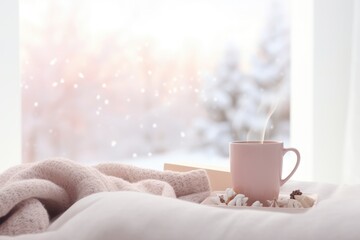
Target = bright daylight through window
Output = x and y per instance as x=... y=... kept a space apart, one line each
x=152 y=81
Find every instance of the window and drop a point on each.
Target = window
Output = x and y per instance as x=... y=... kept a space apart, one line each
x=152 y=81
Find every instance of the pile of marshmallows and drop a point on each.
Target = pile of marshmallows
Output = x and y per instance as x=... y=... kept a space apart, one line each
x=231 y=198
x=297 y=200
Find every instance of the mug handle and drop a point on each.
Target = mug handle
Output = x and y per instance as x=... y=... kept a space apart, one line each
x=282 y=181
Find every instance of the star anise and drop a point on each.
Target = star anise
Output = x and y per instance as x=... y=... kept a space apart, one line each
x=295 y=192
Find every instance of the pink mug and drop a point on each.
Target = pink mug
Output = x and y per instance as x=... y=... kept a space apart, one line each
x=256 y=169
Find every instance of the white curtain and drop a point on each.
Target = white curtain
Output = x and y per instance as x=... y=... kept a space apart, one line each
x=351 y=173
x=333 y=137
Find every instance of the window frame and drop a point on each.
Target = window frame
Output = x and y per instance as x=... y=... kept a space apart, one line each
x=305 y=93
x=10 y=92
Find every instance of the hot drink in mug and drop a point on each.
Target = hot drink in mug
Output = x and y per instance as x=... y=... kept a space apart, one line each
x=256 y=168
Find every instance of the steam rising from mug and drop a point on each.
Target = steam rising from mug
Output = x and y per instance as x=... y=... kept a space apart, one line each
x=272 y=110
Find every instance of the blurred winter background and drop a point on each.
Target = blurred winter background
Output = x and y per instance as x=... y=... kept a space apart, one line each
x=151 y=81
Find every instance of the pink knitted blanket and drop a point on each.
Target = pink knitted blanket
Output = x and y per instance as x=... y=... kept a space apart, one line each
x=32 y=194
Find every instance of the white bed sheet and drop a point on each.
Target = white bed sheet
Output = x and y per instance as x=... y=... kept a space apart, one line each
x=131 y=215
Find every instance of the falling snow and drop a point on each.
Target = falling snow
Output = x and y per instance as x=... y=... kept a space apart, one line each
x=81 y=75
x=53 y=62
x=153 y=105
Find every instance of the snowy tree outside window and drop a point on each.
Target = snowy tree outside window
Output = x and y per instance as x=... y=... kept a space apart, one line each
x=146 y=82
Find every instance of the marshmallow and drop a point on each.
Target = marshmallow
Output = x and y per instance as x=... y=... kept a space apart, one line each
x=292 y=203
x=238 y=200
x=257 y=204
x=241 y=200
x=229 y=194
x=244 y=200
x=274 y=203
x=283 y=202
x=232 y=203
x=305 y=201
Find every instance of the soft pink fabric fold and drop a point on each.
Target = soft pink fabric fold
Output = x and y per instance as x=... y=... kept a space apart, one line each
x=31 y=194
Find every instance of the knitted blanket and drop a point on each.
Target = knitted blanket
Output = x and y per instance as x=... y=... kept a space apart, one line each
x=32 y=194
